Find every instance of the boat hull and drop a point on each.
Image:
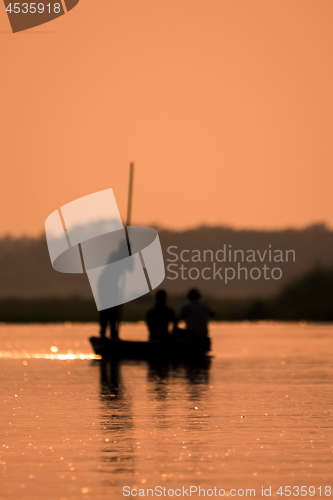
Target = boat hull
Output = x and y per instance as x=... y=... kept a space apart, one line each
x=185 y=348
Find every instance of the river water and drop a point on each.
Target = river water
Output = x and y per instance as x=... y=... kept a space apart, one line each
x=258 y=413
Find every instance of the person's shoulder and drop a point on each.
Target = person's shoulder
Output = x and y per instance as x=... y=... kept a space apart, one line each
x=150 y=312
x=209 y=310
x=204 y=305
x=170 y=312
x=185 y=309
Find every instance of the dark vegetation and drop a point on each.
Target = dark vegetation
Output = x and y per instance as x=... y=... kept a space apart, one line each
x=308 y=298
x=26 y=271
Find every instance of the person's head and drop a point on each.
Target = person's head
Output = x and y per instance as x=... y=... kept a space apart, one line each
x=193 y=294
x=161 y=297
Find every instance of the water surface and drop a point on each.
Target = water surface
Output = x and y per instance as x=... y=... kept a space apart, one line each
x=257 y=413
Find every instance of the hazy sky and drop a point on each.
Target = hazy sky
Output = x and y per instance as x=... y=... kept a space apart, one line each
x=224 y=105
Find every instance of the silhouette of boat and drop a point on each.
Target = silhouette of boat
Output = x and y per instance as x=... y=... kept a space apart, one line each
x=185 y=348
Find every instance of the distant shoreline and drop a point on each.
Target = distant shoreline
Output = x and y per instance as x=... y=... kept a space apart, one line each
x=309 y=298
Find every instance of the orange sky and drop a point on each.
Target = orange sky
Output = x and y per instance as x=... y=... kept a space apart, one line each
x=224 y=105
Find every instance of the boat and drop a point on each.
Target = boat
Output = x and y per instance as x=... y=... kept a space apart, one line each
x=185 y=348
x=182 y=345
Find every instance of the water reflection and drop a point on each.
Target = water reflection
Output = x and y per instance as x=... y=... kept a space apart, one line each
x=159 y=375
x=139 y=399
x=195 y=376
x=116 y=420
x=110 y=380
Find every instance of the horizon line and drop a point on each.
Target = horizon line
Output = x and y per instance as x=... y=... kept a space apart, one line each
x=161 y=228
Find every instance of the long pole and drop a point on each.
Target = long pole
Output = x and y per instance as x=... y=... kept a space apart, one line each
x=129 y=205
x=130 y=195
x=128 y=221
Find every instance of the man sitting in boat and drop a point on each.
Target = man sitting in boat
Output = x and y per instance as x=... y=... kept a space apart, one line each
x=196 y=315
x=159 y=318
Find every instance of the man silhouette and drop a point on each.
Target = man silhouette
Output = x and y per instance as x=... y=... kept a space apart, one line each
x=111 y=315
x=159 y=318
x=196 y=314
